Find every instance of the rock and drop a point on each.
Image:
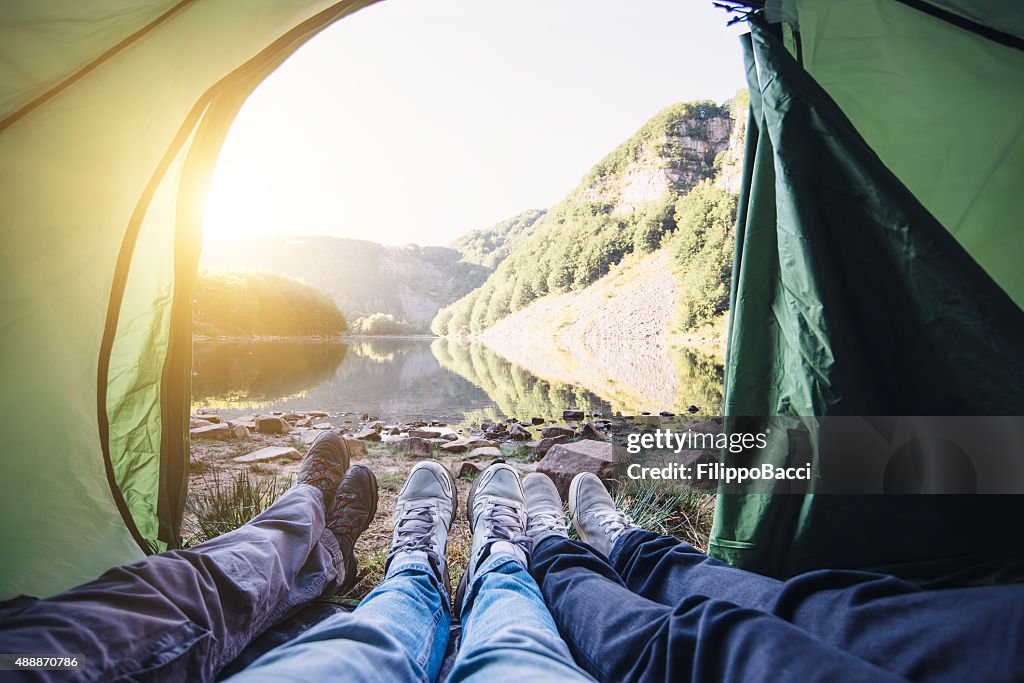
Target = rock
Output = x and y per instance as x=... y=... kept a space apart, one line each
x=292 y=417
x=316 y=413
x=240 y=422
x=366 y=434
x=540 y=448
x=416 y=445
x=666 y=413
x=465 y=469
x=269 y=453
x=323 y=425
x=195 y=422
x=240 y=432
x=376 y=426
x=574 y=415
x=549 y=432
x=392 y=430
x=272 y=424
x=589 y=431
x=519 y=433
x=208 y=415
x=692 y=409
x=221 y=432
x=356 y=448
x=463 y=445
x=434 y=433
x=309 y=436
x=565 y=461
x=304 y=422
x=485 y=452
x=537 y=420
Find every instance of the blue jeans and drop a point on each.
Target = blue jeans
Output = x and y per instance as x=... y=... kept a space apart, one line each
x=400 y=633
x=669 y=612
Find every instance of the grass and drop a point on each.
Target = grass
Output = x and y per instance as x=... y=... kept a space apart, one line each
x=221 y=506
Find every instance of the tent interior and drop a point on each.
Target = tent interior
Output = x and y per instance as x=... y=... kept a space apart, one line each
x=877 y=267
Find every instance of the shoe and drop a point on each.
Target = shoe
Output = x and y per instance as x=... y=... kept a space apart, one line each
x=423 y=515
x=353 y=509
x=544 y=513
x=324 y=465
x=594 y=514
x=497 y=515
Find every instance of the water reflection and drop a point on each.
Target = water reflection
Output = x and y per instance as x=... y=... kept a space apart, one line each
x=254 y=374
x=406 y=379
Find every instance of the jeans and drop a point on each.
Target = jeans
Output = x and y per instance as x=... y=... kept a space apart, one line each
x=668 y=612
x=400 y=632
x=185 y=614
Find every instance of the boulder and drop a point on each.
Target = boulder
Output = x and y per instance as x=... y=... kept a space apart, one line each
x=465 y=469
x=309 y=436
x=272 y=424
x=485 y=452
x=208 y=415
x=565 y=461
x=467 y=444
x=323 y=425
x=194 y=422
x=692 y=409
x=416 y=445
x=316 y=413
x=574 y=415
x=240 y=431
x=221 y=432
x=434 y=433
x=269 y=453
x=356 y=448
x=589 y=431
x=240 y=422
x=518 y=432
x=549 y=432
x=537 y=421
x=540 y=448
x=366 y=434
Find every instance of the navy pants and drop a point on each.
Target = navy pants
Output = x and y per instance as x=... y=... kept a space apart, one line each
x=659 y=610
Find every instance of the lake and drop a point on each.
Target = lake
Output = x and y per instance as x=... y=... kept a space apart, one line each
x=458 y=382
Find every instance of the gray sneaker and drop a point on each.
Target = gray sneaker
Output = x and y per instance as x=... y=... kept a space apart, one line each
x=544 y=512
x=594 y=514
x=497 y=515
x=423 y=515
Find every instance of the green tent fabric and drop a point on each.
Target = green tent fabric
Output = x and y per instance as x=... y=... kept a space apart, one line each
x=111 y=116
x=867 y=283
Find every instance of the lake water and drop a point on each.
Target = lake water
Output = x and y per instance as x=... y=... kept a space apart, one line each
x=407 y=379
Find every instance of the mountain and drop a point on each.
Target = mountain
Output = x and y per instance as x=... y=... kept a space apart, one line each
x=409 y=283
x=630 y=202
x=489 y=246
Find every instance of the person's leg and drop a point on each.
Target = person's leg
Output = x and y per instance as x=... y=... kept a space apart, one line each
x=620 y=636
x=184 y=614
x=876 y=617
x=508 y=633
x=400 y=630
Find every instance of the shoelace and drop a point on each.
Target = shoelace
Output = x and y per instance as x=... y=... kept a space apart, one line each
x=504 y=523
x=415 y=531
x=614 y=522
x=542 y=521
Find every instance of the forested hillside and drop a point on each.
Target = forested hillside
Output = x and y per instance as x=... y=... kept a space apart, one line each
x=630 y=202
x=489 y=246
x=249 y=303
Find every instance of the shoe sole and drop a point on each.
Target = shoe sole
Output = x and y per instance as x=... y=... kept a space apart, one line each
x=460 y=592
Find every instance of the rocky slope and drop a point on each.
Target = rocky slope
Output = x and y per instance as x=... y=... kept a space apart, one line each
x=626 y=204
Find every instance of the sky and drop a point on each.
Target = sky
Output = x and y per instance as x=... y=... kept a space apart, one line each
x=415 y=121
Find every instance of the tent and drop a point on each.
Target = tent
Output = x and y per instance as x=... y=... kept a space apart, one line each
x=877 y=269
x=111 y=116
